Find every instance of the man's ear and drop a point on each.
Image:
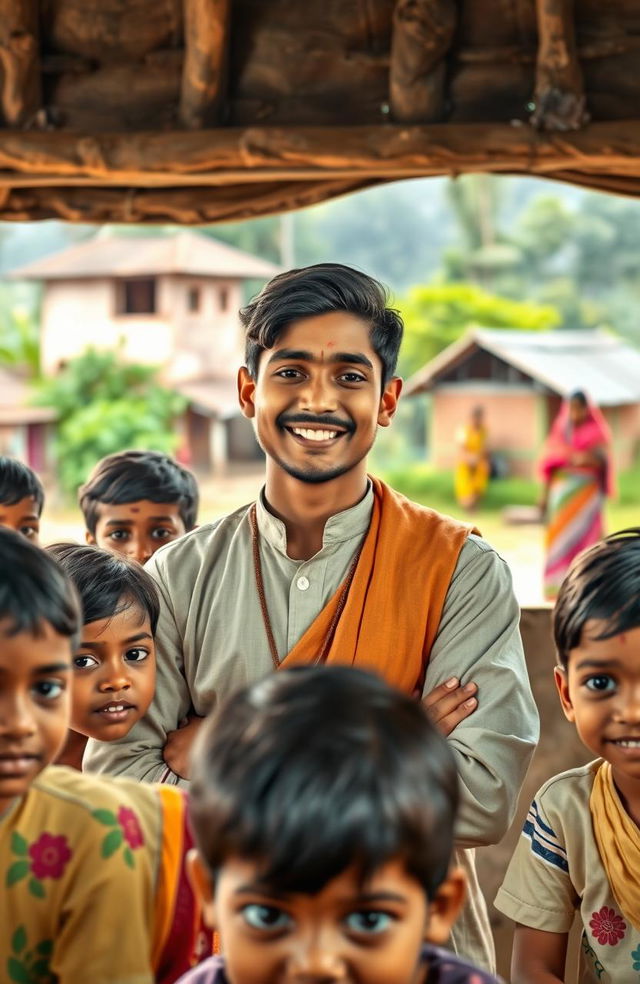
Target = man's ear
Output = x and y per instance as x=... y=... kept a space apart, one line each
x=202 y=885
x=389 y=401
x=90 y=538
x=246 y=392
x=560 y=675
x=445 y=907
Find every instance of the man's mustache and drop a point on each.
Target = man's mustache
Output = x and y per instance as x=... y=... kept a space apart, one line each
x=326 y=421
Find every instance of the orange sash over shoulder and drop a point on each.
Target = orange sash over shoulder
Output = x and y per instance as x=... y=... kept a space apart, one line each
x=393 y=609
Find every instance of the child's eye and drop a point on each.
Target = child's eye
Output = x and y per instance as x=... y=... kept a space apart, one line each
x=48 y=689
x=289 y=373
x=118 y=535
x=265 y=917
x=368 y=921
x=352 y=377
x=84 y=661
x=29 y=531
x=600 y=684
x=136 y=655
x=161 y=533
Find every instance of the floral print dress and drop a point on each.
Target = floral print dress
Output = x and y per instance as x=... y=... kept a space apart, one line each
x=85 y=885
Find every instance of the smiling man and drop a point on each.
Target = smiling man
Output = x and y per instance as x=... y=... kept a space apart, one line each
x=331 y=565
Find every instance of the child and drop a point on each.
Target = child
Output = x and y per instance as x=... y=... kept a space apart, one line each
x=21 y=498
x=92 y=867
x=580 y=847
x=114 y=665
x=323 y=805
x=136 y=501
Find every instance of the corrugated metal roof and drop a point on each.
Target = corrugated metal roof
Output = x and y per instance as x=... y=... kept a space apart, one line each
x=134 y=256
x=217 y=396
x=605 y=367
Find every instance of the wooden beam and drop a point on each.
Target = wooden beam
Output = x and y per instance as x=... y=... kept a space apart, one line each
x=20 y=87
x=421 y=38
x=206 y=41
x=559 y=90
x=231 y=155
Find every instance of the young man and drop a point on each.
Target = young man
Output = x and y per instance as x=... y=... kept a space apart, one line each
x=330 y=565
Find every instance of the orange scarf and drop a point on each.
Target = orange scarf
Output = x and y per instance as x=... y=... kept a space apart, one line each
x=393 y=609
x=618 y=841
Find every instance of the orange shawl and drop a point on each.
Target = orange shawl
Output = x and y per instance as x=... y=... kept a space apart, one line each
x=393 y=609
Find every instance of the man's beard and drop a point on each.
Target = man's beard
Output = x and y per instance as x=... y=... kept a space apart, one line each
x=317 y=476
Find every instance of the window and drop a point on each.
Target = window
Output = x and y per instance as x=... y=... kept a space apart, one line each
x=224 y=298
x=193 y=299
x=136 y=296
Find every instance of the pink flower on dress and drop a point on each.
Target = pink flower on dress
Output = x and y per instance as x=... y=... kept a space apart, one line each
x=49 y=856
x=607 y=926
x=130 y=827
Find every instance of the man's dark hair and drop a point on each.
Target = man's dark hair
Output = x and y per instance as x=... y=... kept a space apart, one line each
x=34 y=590
x=107 y=583
x=315 y=290
x=318 y=768
x=18 y=481
x=603 y=583
x=133 y=475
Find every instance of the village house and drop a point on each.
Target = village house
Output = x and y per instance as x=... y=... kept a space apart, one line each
x=520 y=378
x=25 y=430
x=169 y=301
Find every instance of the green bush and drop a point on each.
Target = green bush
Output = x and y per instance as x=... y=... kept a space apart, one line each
x=106 y=405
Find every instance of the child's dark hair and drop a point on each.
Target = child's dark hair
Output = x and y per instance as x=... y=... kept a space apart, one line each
x=317 y=768
x=315 y=290
x=603 y=583
x=18 y=481
x=34 y=590
x=133 y=475
x=107 y=583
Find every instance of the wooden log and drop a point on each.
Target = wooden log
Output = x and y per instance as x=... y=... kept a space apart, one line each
x=230 y=155
x=559 y=90
x=206 y=41
x=185 y=206
x=20 y=89
x=421 y=38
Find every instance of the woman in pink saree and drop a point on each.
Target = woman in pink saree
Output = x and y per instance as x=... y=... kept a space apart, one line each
x=577 y=473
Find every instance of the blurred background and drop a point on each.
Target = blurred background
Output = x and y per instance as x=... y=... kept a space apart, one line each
x=514 y=291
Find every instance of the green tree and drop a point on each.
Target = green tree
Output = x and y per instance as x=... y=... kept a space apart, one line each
x=106 y=405
x=435 y=316
x=19 y=335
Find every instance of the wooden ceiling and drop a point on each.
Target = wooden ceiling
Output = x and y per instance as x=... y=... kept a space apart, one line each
x=198 y=111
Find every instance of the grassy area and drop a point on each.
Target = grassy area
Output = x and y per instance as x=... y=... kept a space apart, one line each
x=421 y=482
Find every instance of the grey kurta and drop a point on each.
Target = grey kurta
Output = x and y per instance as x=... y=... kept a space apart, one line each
x=211 y=641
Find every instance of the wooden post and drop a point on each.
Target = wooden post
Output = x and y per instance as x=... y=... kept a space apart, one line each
x=422 y=35
x=559 y=91
x=206 y=39
x=20 y=91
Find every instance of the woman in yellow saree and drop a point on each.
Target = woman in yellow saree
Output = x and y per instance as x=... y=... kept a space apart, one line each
x=472 y=470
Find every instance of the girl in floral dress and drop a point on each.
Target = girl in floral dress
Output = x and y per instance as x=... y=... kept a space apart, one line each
x=92 y=868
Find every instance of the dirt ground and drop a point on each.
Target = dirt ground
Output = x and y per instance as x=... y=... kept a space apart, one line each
x=521 y=546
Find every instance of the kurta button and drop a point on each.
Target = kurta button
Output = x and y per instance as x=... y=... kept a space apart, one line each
x=303 y=583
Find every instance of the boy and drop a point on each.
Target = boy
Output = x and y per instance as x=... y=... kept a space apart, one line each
x=323 y=805
x=136 y=501
x=21 y=498
x=92 y=868
x=580 y=847
x=114 y=664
